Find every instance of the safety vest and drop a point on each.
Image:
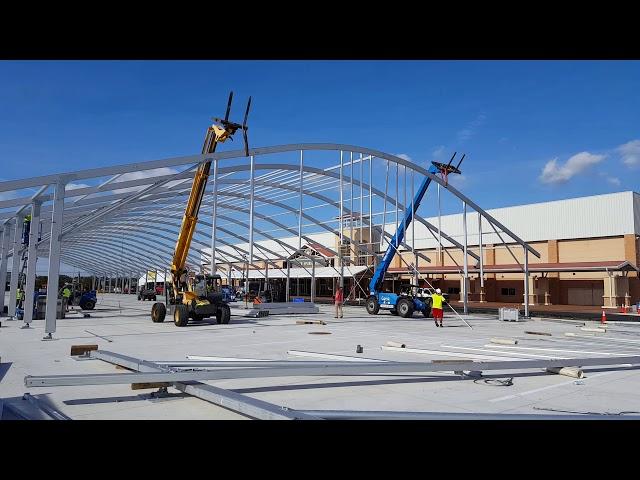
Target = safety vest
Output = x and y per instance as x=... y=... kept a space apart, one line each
x=66 y=293
x=19 y=295
x=437 y=300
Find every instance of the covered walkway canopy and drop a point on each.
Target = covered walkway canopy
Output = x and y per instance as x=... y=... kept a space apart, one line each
x=605 y=266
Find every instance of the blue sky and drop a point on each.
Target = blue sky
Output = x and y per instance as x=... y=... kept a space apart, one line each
x=532 y=130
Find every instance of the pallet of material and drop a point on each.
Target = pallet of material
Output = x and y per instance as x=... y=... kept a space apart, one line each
x=275 y=308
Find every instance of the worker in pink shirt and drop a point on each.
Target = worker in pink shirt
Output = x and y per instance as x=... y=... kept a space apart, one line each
x=339 y=298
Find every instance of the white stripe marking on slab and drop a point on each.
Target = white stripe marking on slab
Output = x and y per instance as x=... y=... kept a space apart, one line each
x=204 y=358
x=605 y=341
x=558 y=350
x=446 y=354
x=516 y=354
x=529 y=392
x=330 y=356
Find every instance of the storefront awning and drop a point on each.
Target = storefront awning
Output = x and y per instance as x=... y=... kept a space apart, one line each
x=605 y=266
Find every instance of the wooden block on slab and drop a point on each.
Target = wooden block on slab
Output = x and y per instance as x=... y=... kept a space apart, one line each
x=452 y=361
x=82 y=349
x=142 y=386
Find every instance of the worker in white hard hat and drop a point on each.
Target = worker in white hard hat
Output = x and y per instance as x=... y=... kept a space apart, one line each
x=436 y=307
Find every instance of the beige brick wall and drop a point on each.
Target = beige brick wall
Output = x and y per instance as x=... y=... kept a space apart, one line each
x=504 y=257
x=591 y=250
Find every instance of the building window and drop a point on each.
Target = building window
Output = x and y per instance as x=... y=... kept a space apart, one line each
x=453 y=290
x=508 y=292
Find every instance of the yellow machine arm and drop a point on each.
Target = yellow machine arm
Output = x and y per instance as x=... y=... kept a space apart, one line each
x=190 y=218
x=215 y=134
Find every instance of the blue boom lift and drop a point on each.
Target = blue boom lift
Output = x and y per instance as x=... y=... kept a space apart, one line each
x=407 y=302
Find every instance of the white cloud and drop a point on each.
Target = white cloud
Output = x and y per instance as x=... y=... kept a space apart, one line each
x=457 y=180
x=404 y=156
x=74 y=186
x=630 y=152
x=555 y=173
x=471 y=129
x=144 y=174
x=614 y=181
x=8 y=195
x=437 y=153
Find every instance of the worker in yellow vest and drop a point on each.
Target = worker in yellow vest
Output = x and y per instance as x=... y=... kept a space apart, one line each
x=66 y=295
x=20 y=296
x=436 y=306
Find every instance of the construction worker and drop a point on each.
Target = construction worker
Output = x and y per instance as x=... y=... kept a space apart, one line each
x=20 y=296
x=339 y=298
x=66 y=295
x=26 y=227
x=436 y=306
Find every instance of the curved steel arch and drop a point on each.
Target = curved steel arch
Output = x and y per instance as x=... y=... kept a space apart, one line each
x=325 y=173
x=111 y=233
x=50 y=179
x=319 y=173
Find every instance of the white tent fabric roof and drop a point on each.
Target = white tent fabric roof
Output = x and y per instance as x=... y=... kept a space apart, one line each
x=321 y=272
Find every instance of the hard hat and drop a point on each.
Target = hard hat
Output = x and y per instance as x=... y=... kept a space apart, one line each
x=438 y=290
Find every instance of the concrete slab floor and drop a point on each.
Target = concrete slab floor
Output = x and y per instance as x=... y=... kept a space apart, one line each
x=121 y=323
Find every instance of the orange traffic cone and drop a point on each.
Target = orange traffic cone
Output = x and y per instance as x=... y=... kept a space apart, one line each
x=603 y=320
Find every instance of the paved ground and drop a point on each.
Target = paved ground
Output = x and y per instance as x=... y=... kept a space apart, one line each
x=121 y=324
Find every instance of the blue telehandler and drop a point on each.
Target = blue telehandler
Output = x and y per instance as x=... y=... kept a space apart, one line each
x=411 y=298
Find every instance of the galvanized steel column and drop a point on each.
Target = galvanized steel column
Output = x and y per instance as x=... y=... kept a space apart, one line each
x=371 y=205
x=526 y=282
x=413 y=228
x=164 y=283
x=397 y=192
x=481 y=258
x=440 y=256
x=214 y=214
x=384 y=208
x=466 y=262
x=351 y=249
x=54 y=260
x=341 y=222
x=32 y=258
x=6 y=232
x=413 y=210
x=300 y=216
x=313 y=281
x=300 y=201
x=361 y=200
x=288 y=272
x=15 y=265
x=251 y=207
